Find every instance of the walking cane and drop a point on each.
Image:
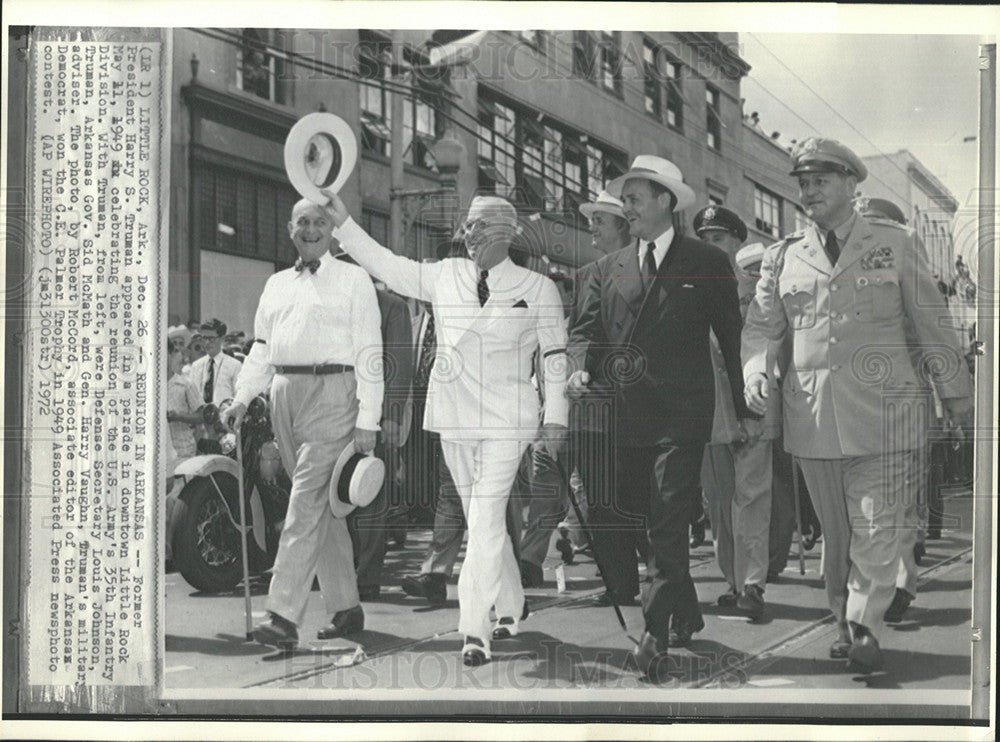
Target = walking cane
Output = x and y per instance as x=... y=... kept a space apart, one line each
x=243 y=536
x=798 y=515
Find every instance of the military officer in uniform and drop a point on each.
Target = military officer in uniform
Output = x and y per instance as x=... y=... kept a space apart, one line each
x=736 y=473
x=844 y=290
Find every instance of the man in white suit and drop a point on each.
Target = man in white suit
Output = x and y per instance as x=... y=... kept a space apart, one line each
x=490 y=316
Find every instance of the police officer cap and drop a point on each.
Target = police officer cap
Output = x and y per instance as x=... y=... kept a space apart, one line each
x=817 y=155
x=882 y=208
x=719 y=217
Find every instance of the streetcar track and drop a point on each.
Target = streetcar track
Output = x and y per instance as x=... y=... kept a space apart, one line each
x=770 y=653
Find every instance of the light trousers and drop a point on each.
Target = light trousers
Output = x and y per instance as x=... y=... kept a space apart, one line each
x=737 y=481
x=483 y=472
x=313 y=419
x=861 y=503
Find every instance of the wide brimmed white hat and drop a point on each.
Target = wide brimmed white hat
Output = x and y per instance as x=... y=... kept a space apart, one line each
x=605 y=202
x=320 y=153
x=659 y=170
x=750 y=254
x=356 y=481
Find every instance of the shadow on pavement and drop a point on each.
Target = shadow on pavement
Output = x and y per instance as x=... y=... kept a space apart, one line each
x=224 y=645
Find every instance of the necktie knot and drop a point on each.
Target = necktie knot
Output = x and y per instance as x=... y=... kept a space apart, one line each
x=312 y=265
x=482 y=288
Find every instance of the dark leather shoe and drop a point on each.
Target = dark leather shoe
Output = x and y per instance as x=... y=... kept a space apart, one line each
x=276 y=631
x=681 y=631
x=864 y=654
x=839 y=649
x=474 y=652
x=508 y=626
x=728 y=600
x=607 y=599
x=343 y=623
x=564 y=546
x=651 y=657
x=369 y=593
x=900 y=602
x=531 y=575
x=431 y=586
x=751 y=601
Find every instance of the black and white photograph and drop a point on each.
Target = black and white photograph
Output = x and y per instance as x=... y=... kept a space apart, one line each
x=486 y=382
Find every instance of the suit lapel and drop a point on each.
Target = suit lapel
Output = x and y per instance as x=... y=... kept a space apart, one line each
x=812 y=252
x=625 y=277
x=676 y=264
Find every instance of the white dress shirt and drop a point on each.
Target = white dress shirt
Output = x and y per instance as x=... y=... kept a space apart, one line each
x=227 y=369
x=662 y=245
x=305 y=319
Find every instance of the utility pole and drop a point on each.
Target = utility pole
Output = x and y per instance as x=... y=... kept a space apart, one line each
x=984 y=493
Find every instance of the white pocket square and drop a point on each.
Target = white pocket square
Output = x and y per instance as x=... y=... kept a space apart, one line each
x=687 y=286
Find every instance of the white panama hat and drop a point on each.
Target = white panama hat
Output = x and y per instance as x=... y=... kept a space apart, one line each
x=605 y=202
x=659 y=170
x=320 y=153
x=750 y=254
x=356 y=481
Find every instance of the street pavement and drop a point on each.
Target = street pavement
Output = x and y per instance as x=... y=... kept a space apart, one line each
x=578 y=656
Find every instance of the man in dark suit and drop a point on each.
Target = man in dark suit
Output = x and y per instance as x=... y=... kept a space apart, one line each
x=649 y=310
x=367 y=525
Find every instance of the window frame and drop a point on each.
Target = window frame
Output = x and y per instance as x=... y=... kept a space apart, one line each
x=771 y=201
x=713 y=118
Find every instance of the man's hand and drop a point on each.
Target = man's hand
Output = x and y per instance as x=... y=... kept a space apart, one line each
x=392 y=433
x=960 y=412
x=335 y=208
x=554 y=439
x=233 y=415
x=576 y=385
x=364 y=440
x=755 y=393
x=750 y=431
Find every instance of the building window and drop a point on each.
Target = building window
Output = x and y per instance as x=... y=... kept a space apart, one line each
x=597 y=57
x=257 y=67
x=713 y=118
x=584 y=54
x=801 y=220
x=611 y=62
x=651 y=80
x=242 y=214
x=538 y=164
x=497 y=141
x=767 y=211
x=675 y=97
x=375 y=65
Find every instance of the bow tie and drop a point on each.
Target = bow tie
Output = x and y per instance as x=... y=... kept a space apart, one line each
x=313 y=265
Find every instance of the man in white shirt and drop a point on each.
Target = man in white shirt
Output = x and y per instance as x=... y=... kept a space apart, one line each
x=490 y=317
x=319 y=347
x=214 y=374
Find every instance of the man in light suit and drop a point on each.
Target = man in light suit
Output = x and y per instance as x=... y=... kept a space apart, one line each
x=847 y=292
x=736 y=472
x=490 y=317
x=644 y=321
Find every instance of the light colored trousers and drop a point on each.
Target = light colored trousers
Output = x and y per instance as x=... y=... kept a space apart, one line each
x=736 y=481
x=862 y=504
x=313 y=419
x=484 y=472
